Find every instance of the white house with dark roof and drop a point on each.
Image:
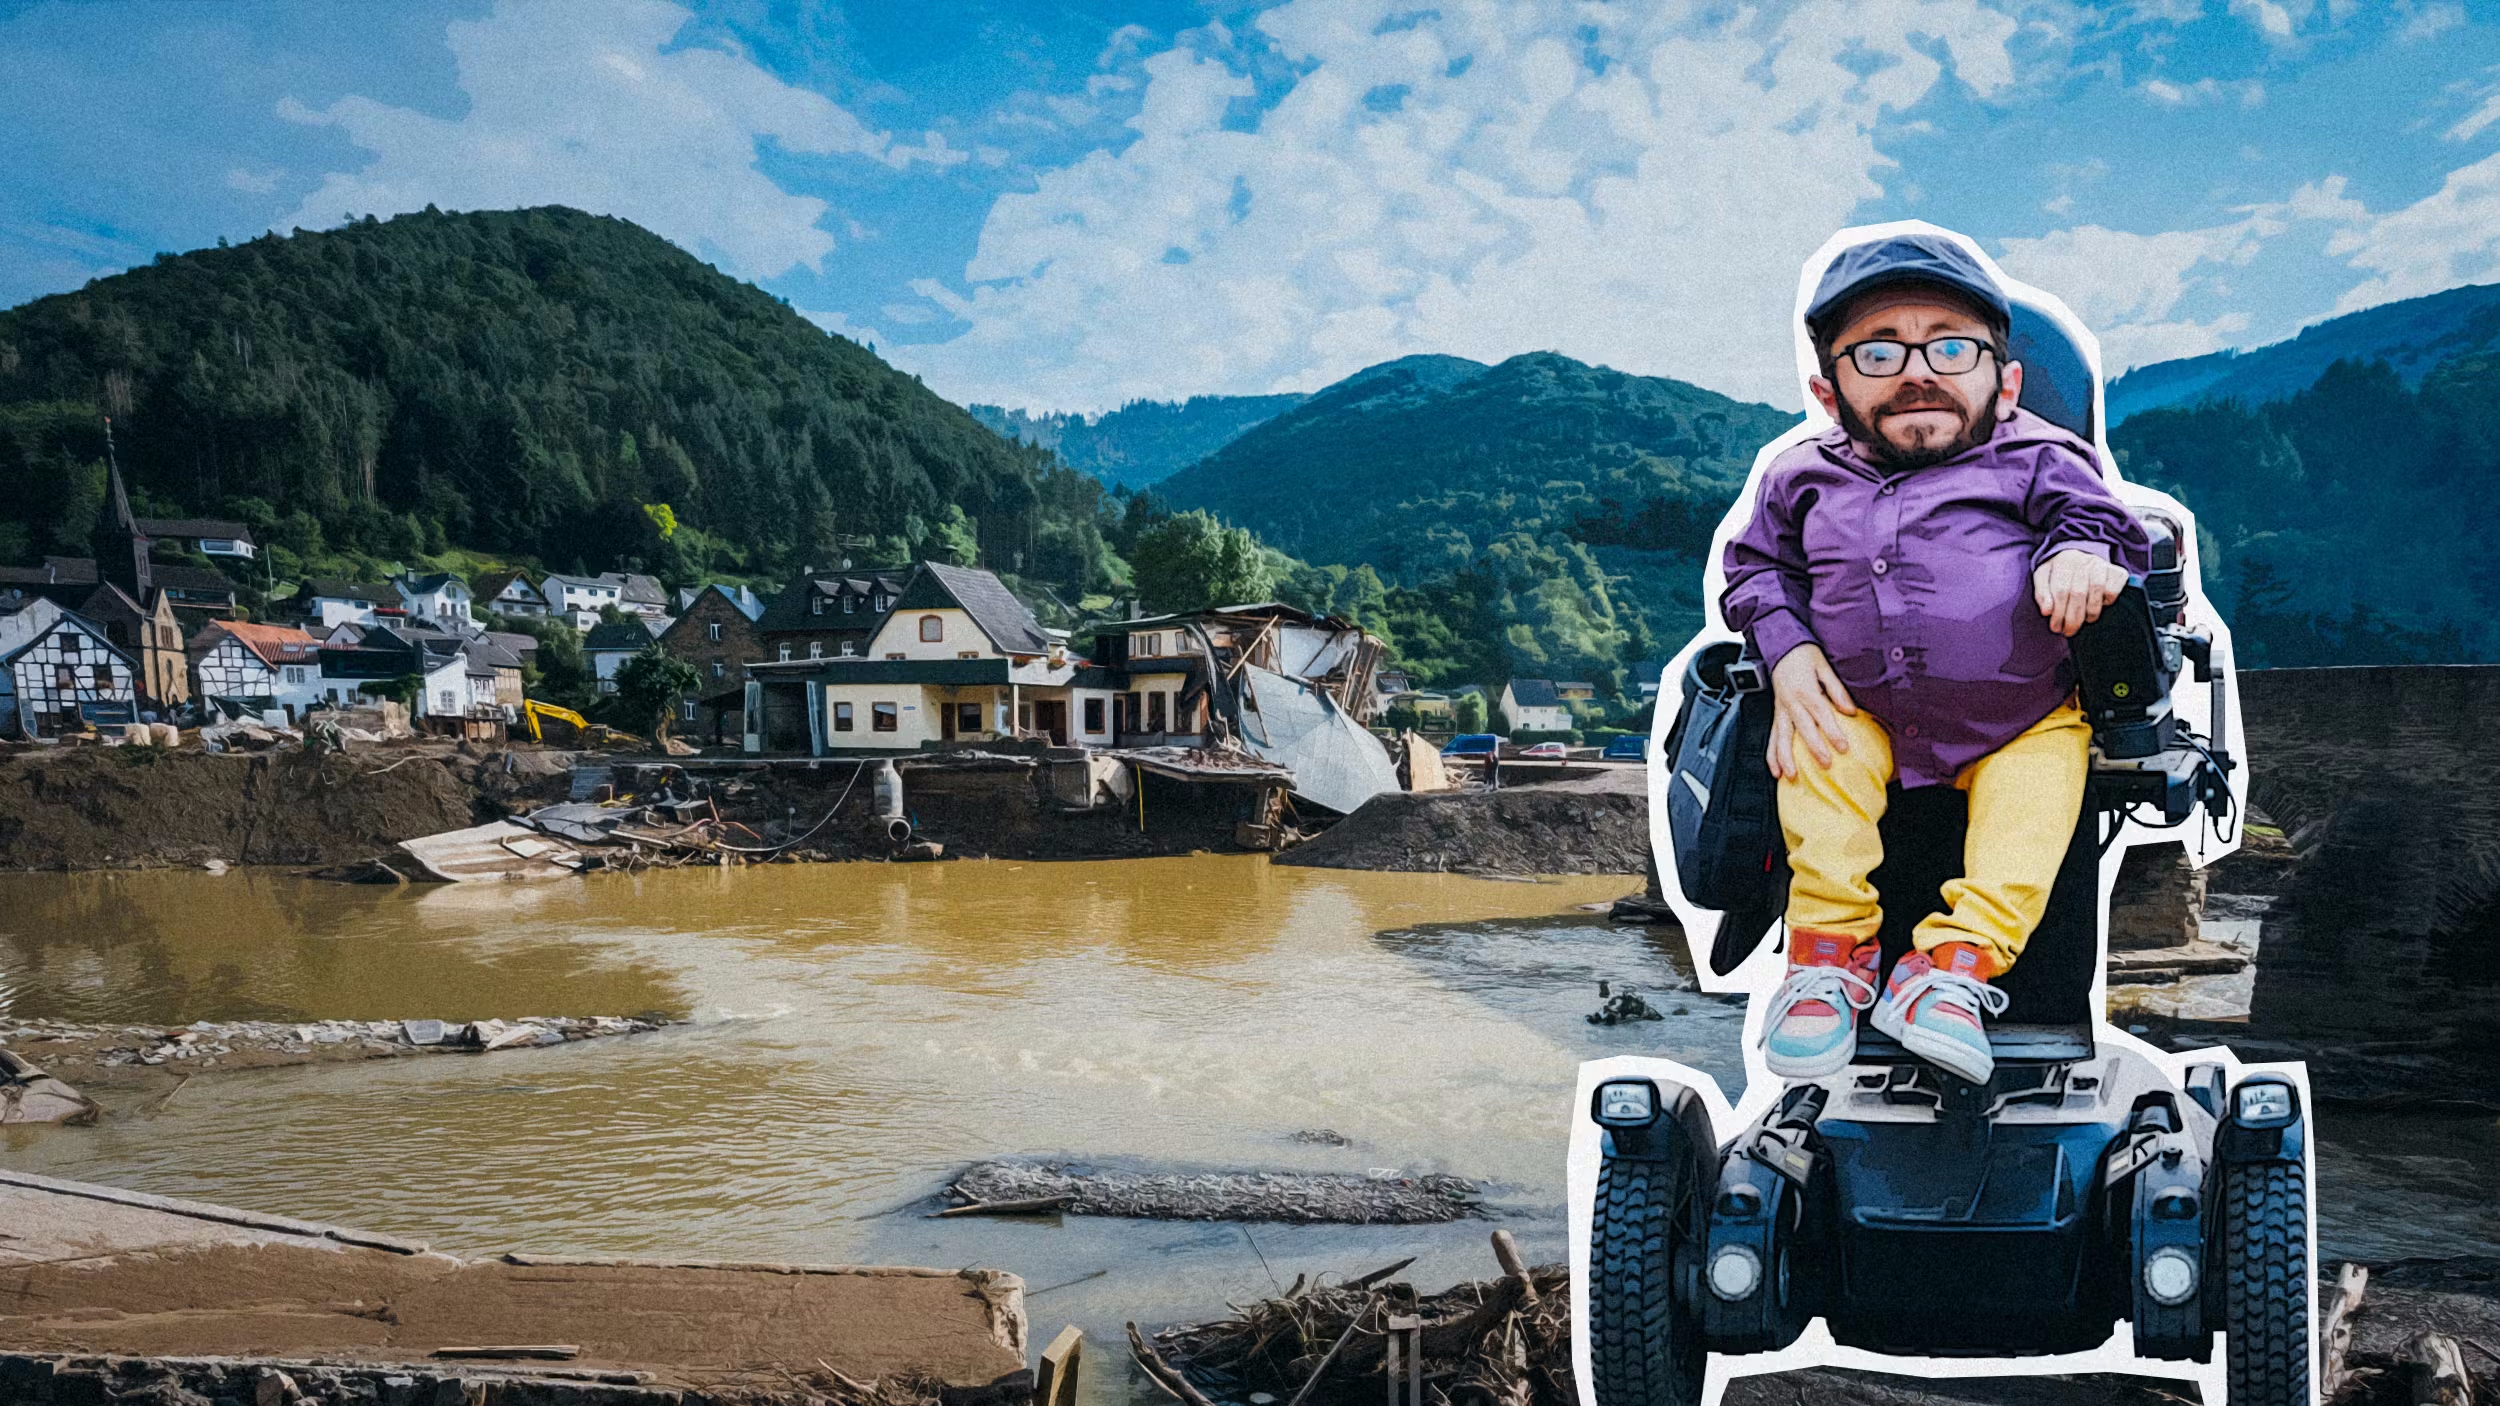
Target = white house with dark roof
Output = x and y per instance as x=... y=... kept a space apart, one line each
x=240 y=660
x=333 y=603
x=510 y=593
x=437 y=598
x=1535 y=705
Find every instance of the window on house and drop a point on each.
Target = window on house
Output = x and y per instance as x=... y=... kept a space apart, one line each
x=712 y=631
x=1154 y=712
x=816 y=606
x=884 y=717
x=451 y=703
x=850 y=605
x=841 y=717
x=894 y=656
x=720 y=669
x=65 y=678
x=932 y=629
x=968 y=654
x=967 y=717
x=1093 y=715
x=883 y=600
x=785 y=654
x=70 y=644
x=815 y=649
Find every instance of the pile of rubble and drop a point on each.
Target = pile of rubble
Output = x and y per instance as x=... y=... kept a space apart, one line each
x=255 y=1044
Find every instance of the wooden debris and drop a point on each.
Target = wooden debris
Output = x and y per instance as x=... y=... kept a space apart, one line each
x=1054 y=1380
x=1162 y=1373
x=2438 y=1371
x=1506 y=1252
x=1028 y=1206
x=2335 y=1330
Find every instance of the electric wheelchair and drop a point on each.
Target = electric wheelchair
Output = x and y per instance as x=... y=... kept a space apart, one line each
x=1917 y=1214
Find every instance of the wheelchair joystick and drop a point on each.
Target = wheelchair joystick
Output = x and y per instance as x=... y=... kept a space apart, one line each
x=2127 y=661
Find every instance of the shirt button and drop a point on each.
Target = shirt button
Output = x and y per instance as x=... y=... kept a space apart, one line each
x=1880 y=568
x=1896 y=654
x=1889 y=487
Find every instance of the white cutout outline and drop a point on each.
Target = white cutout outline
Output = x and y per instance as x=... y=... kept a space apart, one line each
x=1761 y=973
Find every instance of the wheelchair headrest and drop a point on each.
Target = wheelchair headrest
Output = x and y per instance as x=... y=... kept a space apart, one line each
x=2057 y=380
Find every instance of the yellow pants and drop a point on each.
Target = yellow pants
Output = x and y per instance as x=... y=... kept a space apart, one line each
x=2023 y=801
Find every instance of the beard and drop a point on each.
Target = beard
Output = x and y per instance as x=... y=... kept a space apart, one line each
x=1978 y=424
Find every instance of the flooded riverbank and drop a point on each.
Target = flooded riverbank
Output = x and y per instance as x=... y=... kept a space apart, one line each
x=859 y=1033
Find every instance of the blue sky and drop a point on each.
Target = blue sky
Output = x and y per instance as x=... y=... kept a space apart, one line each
x=1066 y=204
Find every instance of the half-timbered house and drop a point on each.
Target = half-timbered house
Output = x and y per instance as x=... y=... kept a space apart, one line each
x=58 y=671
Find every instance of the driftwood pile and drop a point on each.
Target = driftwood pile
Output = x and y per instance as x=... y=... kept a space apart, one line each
x=2404 y=1335
x=1498 y=1342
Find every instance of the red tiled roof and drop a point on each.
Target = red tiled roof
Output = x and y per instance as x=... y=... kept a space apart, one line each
x=275 y=644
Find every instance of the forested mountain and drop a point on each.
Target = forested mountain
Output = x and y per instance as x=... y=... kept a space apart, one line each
x=2346 y=523
x=531 y=383
x=2413 y=337
x=1143 y=442
x=1564 y=505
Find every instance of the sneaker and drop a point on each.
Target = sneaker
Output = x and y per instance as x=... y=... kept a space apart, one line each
x=1935 y=1011
x=1812 y=1027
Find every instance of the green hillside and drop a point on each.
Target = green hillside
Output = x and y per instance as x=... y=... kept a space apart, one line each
x=2413 y=337
x=1567 y=505
x=1143 y=442
x=526 y=383
x=2342 y=524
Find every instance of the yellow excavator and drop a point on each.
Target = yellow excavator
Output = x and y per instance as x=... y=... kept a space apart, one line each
x=598 y=734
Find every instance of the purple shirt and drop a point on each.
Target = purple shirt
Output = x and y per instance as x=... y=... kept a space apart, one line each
x=1918 y=584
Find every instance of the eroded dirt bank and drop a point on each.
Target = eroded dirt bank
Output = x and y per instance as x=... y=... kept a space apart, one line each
x=136 y=807
x=1597 y=825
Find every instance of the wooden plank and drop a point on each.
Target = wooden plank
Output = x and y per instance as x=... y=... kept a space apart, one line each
x=1054 y=1382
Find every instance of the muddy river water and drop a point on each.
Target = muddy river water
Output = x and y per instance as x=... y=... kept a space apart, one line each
x=859 y=1032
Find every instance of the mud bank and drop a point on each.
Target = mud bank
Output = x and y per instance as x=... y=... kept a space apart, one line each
x=138 y=807
x=1595 y=825
x=112 y=1295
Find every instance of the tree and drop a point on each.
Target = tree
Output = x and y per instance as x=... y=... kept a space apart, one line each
x=1191 y=561
x=649 y=685
x=1467 y=712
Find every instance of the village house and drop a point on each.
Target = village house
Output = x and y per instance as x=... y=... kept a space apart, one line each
x=494 y=677
x=958 y=659
x=327 y=602
x=119 y=591
x=1535 y=705
x=638 y=594
x=210 y=537
x=828 y=617
x=510 y=593
x=387 y=654
x=609 y=644
x=258 y=667
x=579 y=598
x=436 y=598
x=58 y=672
x=715 y=632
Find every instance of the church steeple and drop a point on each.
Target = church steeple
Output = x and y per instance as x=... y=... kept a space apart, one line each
x=120 y=548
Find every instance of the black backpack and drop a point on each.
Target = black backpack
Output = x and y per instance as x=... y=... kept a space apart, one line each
x=1723 y=822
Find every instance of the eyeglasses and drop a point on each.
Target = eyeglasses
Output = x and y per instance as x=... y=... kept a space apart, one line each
x=1946 y=356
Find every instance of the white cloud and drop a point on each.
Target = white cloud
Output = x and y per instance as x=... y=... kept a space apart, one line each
x=2476 y=120
x=2128 y=287
x=253 y=182
x=2429 y=21
x=2249 y=93
x=2271 y=19
x=2445 y=239
x=583 y=103
x=1652 y=216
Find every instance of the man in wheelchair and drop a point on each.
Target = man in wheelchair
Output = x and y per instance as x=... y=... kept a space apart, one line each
x=1912 y=578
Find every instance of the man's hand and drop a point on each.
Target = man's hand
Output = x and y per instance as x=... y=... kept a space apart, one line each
x=2072 y=586
x=1808 y=699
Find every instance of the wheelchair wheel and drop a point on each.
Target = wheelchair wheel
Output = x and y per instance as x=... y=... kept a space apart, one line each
x=1645 y=1344
x=2265 y=1282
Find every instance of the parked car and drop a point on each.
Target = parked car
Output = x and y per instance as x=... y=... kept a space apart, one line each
x=1626 y=749
x=1472 y=744
x=1550 y=751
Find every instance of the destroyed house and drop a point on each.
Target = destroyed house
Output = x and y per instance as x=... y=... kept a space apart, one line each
x=58 y=672
x=1184 y=670
x=956 y=659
